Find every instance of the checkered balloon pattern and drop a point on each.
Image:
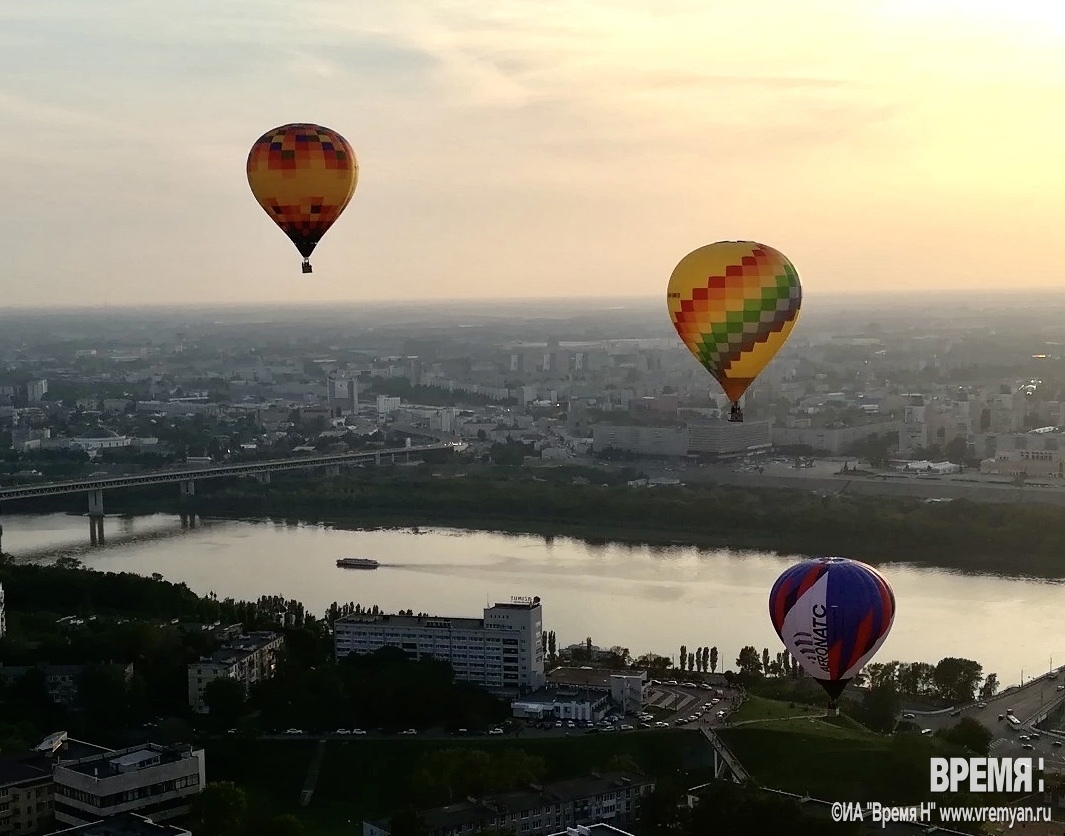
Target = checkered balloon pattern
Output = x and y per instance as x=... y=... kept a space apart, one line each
x=303 y=175
x=734 y=304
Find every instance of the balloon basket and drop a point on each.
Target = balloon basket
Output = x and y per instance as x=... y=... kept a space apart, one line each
x=307 y=267
x=736 y=414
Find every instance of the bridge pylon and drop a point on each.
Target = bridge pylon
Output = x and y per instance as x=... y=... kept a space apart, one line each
x=96 y=517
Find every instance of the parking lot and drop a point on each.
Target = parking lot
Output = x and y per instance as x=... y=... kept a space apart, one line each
x=679 y=702
x=667 y=704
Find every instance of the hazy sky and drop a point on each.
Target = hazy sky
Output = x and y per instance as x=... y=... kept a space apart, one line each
x=530 y=148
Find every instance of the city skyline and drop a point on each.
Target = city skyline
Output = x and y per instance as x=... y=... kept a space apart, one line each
x=530 y=150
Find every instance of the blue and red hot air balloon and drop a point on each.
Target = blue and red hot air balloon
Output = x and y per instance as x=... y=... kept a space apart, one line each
x=833 y=615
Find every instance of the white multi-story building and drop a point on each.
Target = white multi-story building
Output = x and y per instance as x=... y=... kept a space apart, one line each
x=154 y=781
x=502 y=650
x=386 y=405
x=249 y=660
x=3 y=613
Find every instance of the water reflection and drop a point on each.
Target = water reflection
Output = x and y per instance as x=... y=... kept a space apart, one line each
x=647 y=598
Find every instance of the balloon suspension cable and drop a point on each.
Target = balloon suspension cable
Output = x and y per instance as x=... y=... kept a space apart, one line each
x=735 y=414
x=307 y=266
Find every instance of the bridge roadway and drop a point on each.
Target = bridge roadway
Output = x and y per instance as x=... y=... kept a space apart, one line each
x=1030 y=703
x=186 y=475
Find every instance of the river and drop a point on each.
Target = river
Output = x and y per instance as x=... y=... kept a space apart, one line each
x=643 y=598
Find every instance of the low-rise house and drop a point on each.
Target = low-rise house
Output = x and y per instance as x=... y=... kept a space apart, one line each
x=539 y=810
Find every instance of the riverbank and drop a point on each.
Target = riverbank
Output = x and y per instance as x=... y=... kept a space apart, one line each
x=997 y=539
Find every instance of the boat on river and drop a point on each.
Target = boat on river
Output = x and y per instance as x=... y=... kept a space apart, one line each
x=357 y=563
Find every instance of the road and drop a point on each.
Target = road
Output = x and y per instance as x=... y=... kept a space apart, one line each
x=679 y=701
x=1026 y=702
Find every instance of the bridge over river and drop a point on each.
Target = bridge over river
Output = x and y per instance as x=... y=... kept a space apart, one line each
x=186 y=477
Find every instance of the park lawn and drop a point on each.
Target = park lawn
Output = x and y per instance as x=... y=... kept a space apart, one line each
x=761 y=708
x=812 y=757
x=830 y=757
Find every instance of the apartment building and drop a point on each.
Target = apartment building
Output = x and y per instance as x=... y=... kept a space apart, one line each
x=502 y=650
x=62 y=681
x=248 y=659
x=151 y=780
x=579 y=805
x=25 y=794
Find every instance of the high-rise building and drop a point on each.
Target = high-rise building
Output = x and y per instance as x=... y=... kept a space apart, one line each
x=503 y=650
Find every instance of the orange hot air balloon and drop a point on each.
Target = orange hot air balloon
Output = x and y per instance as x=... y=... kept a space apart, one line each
x=734 y=304
x=303 y=175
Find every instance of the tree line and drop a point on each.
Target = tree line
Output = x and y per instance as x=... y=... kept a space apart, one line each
x=960 y=534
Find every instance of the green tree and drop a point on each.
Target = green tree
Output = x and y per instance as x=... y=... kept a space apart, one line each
x=956 y=679
x=970 y=734
x=749 y=662
x=621 y=762
x=287 y=825
x=407 y=822
x=713 y=660
x=990 y=687
x=104 y=696
x=219 y=809
x=683 y=657
x=224 y=698
x=653 y=663
x=880 y=707
x=662 y=811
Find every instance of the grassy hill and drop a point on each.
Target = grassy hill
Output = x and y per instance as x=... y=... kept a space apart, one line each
x=830 y=757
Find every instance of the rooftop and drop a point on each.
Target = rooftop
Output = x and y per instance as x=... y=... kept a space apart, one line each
x=588 y=677
x=561 y=693
x=593 y=830
x=239 y=648
x=127 y=824
x=127 y=760
x=20 y=769
x=427 y=621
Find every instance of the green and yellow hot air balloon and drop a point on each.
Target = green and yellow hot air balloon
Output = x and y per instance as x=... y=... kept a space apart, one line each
x=734 y=304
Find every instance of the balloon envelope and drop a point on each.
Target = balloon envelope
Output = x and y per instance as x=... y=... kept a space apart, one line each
x=734 y=304
x=303 y=175
x=833 y=615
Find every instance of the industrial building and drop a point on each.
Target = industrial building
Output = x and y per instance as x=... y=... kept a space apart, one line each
x=503 y=650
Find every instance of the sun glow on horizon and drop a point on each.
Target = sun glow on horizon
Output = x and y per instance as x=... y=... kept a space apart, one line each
x=561 y=147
